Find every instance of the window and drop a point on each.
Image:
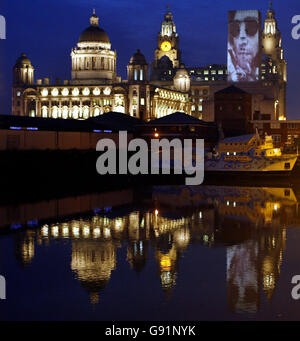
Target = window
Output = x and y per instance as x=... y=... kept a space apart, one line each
x=292 y=125
x=275 y=125
x=142 y=101
x=276 y=138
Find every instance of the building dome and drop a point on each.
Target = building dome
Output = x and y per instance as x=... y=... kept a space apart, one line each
x=94 y=33
x=182 y=81
x=182 y=72
x=138 y=59
x=22 y=60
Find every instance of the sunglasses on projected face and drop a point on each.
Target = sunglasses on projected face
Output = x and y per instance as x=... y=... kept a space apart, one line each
x=251 y=27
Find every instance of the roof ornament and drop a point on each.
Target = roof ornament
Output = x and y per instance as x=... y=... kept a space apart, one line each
x=94 y=20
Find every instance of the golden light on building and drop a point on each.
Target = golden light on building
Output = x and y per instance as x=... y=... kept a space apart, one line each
x=97 y=232
x=76 y=231
x=96 y=91
x=86 y=231
x=45 y=231
x=86 y=91
x=75 y=92
x=65 y=92
x=165 y=263
x=54 y=92
x=55 y=231
x=44 y=92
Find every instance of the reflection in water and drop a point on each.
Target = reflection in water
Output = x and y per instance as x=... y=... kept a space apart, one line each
x=249 y=222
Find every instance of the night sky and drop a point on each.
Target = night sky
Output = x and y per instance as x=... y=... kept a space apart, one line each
x=46 y=30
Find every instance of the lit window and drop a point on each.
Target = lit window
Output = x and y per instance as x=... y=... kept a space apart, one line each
x=142 y=101
x=44 y=111
x=65 y=112
x=96 y=112
x=75 y=92
x=54 y=92
x=75 y=112
x=107 y=91
x=45 y=92
x=65 y=92
x=54 y=111
x=96 y=92
x=86 y=112
x=86 y=91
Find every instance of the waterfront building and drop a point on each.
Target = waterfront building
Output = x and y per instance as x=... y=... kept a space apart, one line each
x=95 y=87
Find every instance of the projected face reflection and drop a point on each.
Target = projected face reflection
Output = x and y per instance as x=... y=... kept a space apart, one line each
x=243 y=46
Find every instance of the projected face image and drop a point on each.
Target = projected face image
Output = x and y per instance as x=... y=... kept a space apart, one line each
x=243 y=46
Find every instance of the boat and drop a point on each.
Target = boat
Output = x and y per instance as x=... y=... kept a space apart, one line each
x=248 y=154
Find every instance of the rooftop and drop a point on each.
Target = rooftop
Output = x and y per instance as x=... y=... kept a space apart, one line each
x=231 y=90
x=239 y=139
x=177 y=118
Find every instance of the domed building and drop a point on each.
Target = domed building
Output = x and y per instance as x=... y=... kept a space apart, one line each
x=93 y=59
x=182 y=81
x=95 y=88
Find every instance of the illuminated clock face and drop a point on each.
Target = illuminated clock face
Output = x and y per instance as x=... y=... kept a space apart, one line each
x=165 y=46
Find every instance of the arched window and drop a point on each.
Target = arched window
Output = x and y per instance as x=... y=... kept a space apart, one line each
x=44 y=111
x=65 y=112
x=75 y=112
x=54 y=110
x=86 y=112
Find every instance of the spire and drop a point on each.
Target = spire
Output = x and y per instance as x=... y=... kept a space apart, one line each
x=94 y=20
x=168 y=15
x=270 y=13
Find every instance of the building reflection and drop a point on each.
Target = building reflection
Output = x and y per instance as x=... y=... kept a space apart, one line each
x=250 y=222
x=93 y=261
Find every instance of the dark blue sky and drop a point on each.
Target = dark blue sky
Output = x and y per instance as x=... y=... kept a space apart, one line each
x=46 y=30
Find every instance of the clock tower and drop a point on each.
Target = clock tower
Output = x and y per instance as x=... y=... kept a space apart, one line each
x=167 y=54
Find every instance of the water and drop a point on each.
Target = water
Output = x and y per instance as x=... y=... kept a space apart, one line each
x=164 y=253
